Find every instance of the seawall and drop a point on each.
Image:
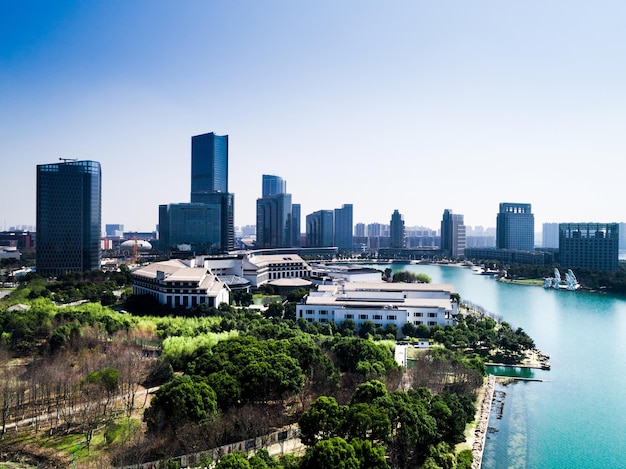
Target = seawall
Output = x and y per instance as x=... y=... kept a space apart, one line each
x=478 y=446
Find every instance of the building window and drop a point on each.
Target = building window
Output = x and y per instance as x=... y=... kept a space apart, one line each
x=323 y=312
x=391 y=317
x=362 y=316
x=378 y=316
x=418 y=315
x=432 y=315
x=309 y=312
x=417 y=323
x=432 y=323
x=349 y=316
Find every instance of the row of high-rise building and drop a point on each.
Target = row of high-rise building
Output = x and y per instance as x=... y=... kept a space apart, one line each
x=69 y=221
x=207 y=221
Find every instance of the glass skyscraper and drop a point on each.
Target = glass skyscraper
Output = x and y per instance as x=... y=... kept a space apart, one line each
x=319 y=229
x=274 y=221
x=203 y=226
x=208 y=222
x=453 y=238
x=515 y=227
x=273 y=185
x=209 y=164
x=68 y=217
x=344 y=227
x=396 y=231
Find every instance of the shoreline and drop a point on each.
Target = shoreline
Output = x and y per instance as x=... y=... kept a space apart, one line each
x=483 y=413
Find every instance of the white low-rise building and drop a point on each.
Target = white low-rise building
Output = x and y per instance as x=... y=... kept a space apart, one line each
x=381 y=303
x=324 y=274
x=257 y=268
x=260 y=269
x=176 y=283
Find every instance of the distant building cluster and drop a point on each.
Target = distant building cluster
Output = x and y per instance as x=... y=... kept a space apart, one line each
x=68 y=235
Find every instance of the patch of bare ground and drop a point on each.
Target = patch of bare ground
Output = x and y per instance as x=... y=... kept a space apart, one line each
x=25 y=452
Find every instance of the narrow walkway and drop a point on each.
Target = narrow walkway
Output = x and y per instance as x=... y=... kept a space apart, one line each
x=483 y=423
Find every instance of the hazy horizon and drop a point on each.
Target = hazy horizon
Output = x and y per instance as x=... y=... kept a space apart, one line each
x=416 y=106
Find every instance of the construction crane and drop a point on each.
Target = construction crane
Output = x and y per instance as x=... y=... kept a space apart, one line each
x=134 y=258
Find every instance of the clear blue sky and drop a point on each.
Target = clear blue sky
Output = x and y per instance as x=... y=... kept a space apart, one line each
x=411 y=105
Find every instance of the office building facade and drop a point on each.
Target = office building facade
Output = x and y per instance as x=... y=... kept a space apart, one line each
x=396 y=231
x=69 y=201
x=209 y=164
x=343 y=227
x=319 y=229
x=114 y=230
x=515 y=227
x=273 y=185
x=275 y=223
x=589 y=245
x=453 y=241
x=550 y=236
x=207 y=224
x=296 y=221
x=201 y=227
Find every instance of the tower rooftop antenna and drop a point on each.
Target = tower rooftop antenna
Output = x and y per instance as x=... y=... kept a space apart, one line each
x=65 y=160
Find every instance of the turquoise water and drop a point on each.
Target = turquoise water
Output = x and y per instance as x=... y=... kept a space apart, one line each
x=576 y=417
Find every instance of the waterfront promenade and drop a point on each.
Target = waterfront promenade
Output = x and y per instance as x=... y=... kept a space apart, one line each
x=482 y=422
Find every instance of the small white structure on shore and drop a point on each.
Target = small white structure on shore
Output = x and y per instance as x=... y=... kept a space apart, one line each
x=571 y=283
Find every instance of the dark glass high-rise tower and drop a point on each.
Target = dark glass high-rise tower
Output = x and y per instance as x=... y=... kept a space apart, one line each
x=208 y=222
x=343 y=227
x=209 y=164
x=396 y=231
x=319 y=229
x=68 y=217
x=274 y=223
x=273 y=185
x=453 y=239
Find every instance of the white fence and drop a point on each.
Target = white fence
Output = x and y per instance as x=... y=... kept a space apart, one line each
x=284 y=441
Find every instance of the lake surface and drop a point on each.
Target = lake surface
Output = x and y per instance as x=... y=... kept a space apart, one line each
x=576 y=417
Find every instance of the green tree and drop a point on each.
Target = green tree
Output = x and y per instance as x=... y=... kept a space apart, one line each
x=179 y=401
x=369 y=456
x=366 y=392
x=234 y=460
x=347 y=328
x=367 y=329
x=274 y=310
x=322 y=421
x=227 y=388
x=367 y=421
x=334 y=453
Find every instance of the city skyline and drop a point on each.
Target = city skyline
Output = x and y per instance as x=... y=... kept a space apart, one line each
x=417 y=107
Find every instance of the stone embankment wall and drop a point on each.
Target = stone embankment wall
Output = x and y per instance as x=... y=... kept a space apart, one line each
x=483 y=423
x=285 y=441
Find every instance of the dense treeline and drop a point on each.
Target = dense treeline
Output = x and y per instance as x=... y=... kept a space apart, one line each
x=228 y=374
x=412 y=429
